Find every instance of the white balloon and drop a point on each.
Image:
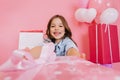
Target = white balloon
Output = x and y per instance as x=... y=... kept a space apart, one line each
x=109 y=16
x=79 y=14
x=85 y=15
x=90 y=15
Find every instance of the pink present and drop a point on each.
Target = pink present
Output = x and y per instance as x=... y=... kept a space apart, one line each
x=104 y=47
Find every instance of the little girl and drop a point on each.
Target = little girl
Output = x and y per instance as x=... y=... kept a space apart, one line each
x=60 y=34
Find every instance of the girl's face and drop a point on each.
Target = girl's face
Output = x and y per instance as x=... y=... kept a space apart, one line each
x=57 y=30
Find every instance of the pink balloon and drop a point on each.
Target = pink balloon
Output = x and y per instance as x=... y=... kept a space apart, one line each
x=100 y=6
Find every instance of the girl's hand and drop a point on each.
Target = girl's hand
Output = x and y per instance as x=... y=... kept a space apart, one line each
x=36 y=51
x=83 y=55
x=74 y=52
x=27 y=49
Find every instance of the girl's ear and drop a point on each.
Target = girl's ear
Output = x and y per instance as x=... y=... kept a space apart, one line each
x=36 y=51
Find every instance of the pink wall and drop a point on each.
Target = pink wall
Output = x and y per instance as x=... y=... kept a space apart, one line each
x=16 y=15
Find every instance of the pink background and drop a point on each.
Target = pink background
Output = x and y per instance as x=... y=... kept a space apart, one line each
x=16 y=15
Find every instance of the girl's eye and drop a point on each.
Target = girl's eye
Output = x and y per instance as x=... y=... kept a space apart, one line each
x=52 y=26
x=60 y=26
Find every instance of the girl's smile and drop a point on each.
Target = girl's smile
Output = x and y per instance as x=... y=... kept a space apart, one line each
x=57 y=33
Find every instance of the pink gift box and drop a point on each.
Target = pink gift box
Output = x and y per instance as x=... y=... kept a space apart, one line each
x=104 y=47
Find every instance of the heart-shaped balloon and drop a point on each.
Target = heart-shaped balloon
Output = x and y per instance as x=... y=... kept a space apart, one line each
x=109 y=16
x=85 y=15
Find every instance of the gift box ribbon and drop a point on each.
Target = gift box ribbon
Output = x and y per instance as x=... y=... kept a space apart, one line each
x=107 y=27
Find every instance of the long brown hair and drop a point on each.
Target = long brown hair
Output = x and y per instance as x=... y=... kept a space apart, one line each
x=68 y=32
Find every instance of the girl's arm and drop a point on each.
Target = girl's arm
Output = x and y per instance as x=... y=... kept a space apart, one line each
x=74 y=52
x=35 y=51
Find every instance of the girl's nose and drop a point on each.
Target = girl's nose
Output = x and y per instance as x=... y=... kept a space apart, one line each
x=56 y=27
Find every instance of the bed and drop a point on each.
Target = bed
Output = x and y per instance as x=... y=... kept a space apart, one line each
x=63 y=68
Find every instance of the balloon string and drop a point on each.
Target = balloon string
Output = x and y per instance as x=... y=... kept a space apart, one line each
x=110 y=43
x=106 y=27
x=96 y=43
